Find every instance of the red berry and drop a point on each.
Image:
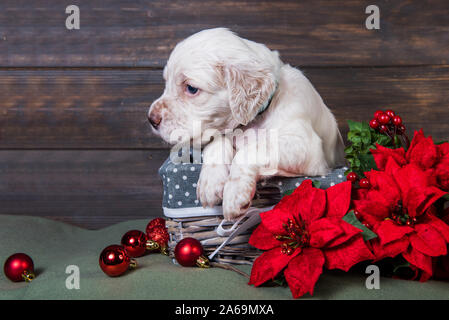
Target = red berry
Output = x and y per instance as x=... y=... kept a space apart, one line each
x=364 y=183
x=397 y=120
x=377 y=114
x=352 y=176
x=383 y=128
x=374 y=123
x=401 y=128
x=383 y=118
x=390 y=113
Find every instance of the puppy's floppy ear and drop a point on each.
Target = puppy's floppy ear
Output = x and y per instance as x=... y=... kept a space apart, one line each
x=249 y=89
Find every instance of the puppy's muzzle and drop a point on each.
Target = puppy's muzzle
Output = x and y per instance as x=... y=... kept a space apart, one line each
x=155 y=119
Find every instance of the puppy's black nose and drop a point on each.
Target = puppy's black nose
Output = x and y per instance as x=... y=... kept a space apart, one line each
x=155 y=119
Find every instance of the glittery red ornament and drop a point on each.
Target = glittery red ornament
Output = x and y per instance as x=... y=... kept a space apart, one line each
x=155 y=223
x=189 y=252
x=134 y=241
x=114 y=260
x=19 y=267
x=158 y=239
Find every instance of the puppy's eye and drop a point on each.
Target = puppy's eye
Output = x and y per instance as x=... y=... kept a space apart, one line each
x=191 y=90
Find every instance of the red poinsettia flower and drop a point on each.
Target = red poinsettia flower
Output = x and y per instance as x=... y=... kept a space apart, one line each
x=305 y=232
x=423 y=152
x=398 y=208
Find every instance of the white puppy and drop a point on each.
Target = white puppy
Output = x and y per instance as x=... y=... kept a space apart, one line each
x=224 y=82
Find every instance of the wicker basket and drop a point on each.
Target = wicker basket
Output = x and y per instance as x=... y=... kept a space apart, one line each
x=187 y=218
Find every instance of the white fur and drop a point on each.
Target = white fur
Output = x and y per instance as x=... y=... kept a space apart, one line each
x=236 y=77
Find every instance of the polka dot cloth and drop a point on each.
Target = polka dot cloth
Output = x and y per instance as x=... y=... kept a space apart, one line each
x=180 y=183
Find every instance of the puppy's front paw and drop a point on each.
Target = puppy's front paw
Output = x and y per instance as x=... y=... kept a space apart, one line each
x=237 y=196
x=211 y=183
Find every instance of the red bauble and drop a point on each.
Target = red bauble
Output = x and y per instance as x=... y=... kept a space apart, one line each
x=189 y=252
x=158 y=238
x=134 y=241
x=114 y=260
x=19 y=267
x=155 y=223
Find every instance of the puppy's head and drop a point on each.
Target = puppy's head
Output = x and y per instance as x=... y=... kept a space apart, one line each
x=216 y=79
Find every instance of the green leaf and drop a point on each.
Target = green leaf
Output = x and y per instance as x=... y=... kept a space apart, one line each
x=367 y=234
x=349 y=149
x=356 y=139
x=405 y=264
x=383 y=140
x=288 y=192
x=354 y=126
x=367 y=162
x=316 y=184
x=366 y=137
x=441 y=142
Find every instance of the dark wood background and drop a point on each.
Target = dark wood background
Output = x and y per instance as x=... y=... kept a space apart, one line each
x=75 y=144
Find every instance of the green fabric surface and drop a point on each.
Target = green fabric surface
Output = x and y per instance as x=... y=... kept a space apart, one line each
x=54 y=245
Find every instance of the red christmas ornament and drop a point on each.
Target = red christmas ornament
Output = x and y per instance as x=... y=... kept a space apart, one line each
x=155 y=223
x=158 y=240
x=134 y=241
x=114 y=260
x=189 y=252
x=19 y=267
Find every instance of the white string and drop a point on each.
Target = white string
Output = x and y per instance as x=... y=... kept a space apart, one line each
x=253 y=219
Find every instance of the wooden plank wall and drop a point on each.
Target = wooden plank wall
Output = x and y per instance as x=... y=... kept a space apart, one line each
x=75 y=144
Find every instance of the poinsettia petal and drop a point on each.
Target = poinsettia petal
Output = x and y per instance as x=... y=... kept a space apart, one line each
x=338 y=199
x=417 y=195
x=263 y=239
x=418 y=259
x=348 y=254
x=428 y=241
x=442 y=166
x=269 y=264
x=389 y=231
x=438 y=225
x=385 y=185
x=311 y=201
x=274 y=219
x=349 y=231
x=389 y=250
x=373 y=211
x=381 y=155
x=303 y=271
x=323 y=231
x=422 y=151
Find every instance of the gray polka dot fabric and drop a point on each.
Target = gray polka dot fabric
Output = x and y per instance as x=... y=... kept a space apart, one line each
x=180 y=182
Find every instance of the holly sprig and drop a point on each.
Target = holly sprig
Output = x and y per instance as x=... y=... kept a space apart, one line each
x=386 y=129
x=362 y=138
